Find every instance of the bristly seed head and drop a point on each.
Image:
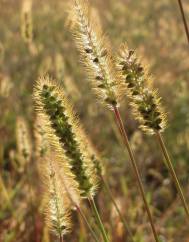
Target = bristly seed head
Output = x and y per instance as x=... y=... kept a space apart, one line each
x=23 y=139
x=26 y=21
x=95 y=54
x=57 y=202
x=144 y=100
x=41 y=142
x=52 y=102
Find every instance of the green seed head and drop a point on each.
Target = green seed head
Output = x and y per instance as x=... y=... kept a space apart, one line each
x=144 y=100
x=52 y=101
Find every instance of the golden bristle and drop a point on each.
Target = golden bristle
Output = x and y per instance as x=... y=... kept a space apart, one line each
x=95 y=54
x=23 y=140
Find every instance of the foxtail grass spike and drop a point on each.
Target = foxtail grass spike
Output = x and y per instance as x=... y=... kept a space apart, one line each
x=51 y=101
x=144 y=100
x=95 y=54
x=58 y=206
x=26 y=21
x=23 y=139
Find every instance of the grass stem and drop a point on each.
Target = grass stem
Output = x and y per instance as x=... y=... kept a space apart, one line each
x=98 y=220
x=124 y=222
x=184 y=19
x=172 y=171
x=5 y=193
x=87 y=223
x=135 y=168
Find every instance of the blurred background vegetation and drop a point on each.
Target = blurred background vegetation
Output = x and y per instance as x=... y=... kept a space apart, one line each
x=155 y=30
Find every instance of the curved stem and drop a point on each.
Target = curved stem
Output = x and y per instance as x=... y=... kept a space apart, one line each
x=135 y=168
x=184 y=19
x=124 y=222
x=87 y=223
x=172 y=171
x=98 y=220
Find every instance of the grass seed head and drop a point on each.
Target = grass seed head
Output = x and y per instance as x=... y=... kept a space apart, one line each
x=23 y=139
x=57 y=201
x=26 y=21
x=51 y=101
x=95 y=54
x=144 y=100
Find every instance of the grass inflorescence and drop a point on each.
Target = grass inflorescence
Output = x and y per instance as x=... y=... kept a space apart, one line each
x=144 y=99
x=23 y=140
x=51 y=100
x=57 y=202
x=96 y=55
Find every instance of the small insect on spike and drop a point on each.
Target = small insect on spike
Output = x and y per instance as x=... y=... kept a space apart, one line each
x=57 y=201
x=95 y=54
x=144 y=100
x=23 y=139
x=41 y=142
x=26 y=21
x=51 y=101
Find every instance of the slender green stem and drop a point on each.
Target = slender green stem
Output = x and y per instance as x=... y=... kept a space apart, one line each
x=184 y=19
x=135 y=168
x=82 y=214
x=87 y=223
x=5 y=192
x=172 y=171
x=98 y=220
x=117 y=209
